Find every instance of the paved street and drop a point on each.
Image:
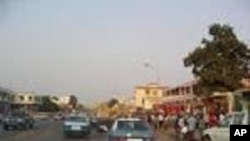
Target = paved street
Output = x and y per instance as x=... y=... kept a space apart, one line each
x=52 y=131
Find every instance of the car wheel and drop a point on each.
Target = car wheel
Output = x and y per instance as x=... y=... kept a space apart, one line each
x=31 y=126
x=206 y=138
x=6 y=128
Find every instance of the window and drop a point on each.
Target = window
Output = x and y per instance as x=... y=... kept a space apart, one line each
x=147 y=92
x=155 y=92
x=21 y=97
x=238 y=118
x=188 y=90
x=227 y=121
x=76 y=119
x=30 y=98
x=132 y=125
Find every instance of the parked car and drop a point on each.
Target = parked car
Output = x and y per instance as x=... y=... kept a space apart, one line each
x=18 y=121
x=131 y=129
x=221 y=133
x=76 y=125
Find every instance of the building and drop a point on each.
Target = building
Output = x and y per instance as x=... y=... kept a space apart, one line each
x=149 y=95
x=62 y=100
x=6 y=98
x=27 y=101
x=179 y=98
x=66 y=103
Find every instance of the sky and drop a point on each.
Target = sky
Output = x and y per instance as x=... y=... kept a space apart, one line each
x=97 y=49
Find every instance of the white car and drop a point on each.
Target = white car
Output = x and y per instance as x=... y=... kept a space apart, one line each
x=221 y=133
x=76 y=125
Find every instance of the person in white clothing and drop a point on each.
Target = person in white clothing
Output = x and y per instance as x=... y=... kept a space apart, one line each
x=221 y=116
x=160 y=119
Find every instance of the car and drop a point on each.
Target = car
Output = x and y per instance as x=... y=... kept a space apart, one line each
x=222 y=132
x=76 y=125
x=18 y=121
x=130 y=129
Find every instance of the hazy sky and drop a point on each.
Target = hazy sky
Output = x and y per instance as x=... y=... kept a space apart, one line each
x=94 y=49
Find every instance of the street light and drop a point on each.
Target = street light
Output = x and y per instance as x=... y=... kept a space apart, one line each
x=148 y=65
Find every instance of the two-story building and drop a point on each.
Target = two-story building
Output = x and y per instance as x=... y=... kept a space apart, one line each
x=6 y=98
x=148 y=95
x=27 y=101
x=179 y=98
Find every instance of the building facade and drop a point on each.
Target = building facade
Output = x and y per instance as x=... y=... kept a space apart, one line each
x=27 y=101
x=62 y=100
x=6 y=98
x=148 y=95
x=179 y=98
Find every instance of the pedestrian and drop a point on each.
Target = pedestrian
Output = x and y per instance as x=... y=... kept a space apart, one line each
x=182 y=125
x=149 y=119
x=176 y=125
x=201 y=126
x=160 y=120
x=184 y=131
x=221 y=116
x=206 y=119
x=155 y=121
x=213 y=120
x=166 y=119
x=192 y=124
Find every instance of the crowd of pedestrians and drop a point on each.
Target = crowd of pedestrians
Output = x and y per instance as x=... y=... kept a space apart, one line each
x=158 y=121
x=187 y=126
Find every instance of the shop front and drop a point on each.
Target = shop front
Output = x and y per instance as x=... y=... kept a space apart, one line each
x=176 y=105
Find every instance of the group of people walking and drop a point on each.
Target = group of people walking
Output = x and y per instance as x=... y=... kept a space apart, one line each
x=158 y=121
x=187 y=126
x=190 y=126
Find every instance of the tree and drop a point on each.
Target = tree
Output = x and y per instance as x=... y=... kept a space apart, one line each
x=47 y=105
x=112 y=102
x=219 y=64
x=73 y=101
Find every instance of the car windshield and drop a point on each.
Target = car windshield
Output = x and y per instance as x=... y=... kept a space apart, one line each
x=76 y=118
x=132 y=125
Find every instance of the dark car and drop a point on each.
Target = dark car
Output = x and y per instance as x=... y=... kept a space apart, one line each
x=131 y=129
x=18 y=122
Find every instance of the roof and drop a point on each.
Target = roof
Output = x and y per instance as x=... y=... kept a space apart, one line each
x=151 y=85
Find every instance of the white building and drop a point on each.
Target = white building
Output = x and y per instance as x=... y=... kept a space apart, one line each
x=148 y=95
x=28 y=101
x=26 y=98
x=62 y=100
x=6 y=98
